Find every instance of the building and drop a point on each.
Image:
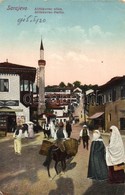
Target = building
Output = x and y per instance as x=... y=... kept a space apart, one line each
x=107 y=104
x=17 y=86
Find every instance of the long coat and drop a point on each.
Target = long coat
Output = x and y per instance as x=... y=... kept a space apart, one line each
x=97 y=168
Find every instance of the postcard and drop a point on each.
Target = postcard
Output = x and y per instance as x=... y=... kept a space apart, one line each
x=82 y=41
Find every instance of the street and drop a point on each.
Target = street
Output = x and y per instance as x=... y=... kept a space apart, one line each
x=25 y=174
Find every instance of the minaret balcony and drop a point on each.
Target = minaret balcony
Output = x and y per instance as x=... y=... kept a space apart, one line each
x=42 y=62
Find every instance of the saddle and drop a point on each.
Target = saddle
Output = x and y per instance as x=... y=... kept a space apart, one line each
x=60 y=145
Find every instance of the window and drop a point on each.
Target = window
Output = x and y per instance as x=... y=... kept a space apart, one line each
x=26 y=85
x=21 y=85
x=34 y=88
x=123 y=91
x=4 y=85
x=122 y=123
x=110 y=96
x=100 y=99
x=31 y=86
x=114 y=94
x=104 y=99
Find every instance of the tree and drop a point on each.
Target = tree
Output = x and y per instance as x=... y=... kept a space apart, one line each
x=77 y=84
x=62 y=85
x=69 y=85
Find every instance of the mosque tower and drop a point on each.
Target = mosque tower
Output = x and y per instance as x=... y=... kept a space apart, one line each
x=41 y=80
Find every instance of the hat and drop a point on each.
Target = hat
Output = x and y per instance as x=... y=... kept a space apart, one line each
x=84 y=125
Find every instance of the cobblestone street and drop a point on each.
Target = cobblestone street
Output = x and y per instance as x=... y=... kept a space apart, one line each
x=25 y=174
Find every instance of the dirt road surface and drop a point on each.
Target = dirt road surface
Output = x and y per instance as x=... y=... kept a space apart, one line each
x=25 y=174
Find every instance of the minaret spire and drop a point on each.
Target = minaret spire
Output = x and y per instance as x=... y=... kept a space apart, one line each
x=41 y=50
x=41 y=46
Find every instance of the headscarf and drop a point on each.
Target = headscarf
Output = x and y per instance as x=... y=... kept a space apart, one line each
x=96 y=136
x=115 y=150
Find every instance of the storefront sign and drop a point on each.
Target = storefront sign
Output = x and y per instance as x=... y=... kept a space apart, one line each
x=9 y=103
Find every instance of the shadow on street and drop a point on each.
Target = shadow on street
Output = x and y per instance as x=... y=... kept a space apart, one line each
x=64 y=186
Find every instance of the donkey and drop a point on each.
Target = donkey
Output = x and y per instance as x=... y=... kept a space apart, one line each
x=53 y=152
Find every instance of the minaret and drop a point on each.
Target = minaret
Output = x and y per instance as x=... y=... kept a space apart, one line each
x=41 y=80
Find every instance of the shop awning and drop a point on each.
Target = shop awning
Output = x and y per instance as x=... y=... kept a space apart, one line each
x=96 y=115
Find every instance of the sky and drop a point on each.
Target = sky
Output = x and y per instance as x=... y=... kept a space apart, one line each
x=84 y=40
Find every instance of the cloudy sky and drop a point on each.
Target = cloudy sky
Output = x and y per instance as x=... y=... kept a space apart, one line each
x=84 y=41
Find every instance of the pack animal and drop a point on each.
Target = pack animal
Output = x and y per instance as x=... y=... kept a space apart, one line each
x=54 y=153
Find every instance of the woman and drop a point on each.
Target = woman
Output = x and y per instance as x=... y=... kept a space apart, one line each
x=30 y=130
x=97 y=168
x=115 y=156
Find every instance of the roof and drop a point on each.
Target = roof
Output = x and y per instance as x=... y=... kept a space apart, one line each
x=23 y=71
x=77 y=90
x=114 y=81
x=89 y=91
x=96 y=115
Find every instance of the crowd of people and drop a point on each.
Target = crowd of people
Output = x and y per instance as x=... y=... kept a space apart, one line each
x=105 y=162
x=57 y=131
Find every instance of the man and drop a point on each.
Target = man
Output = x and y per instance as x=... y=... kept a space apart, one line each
x=17 y=139
x=47 y=131
x=84 y=136
x=68 y=128
x=60 y=136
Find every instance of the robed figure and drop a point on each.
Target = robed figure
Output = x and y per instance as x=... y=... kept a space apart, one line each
x=115 y=156
x=97 y=168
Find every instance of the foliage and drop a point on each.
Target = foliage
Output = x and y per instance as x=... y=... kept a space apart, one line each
x=63 y=86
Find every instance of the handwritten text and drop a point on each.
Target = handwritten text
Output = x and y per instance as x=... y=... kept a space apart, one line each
x=30 y=19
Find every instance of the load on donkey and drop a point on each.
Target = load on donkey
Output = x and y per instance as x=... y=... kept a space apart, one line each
x=53 y=152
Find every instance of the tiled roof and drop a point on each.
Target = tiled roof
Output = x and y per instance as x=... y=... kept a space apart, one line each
x=24 y=71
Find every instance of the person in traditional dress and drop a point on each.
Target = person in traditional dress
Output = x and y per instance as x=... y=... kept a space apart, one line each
x=84 y=136
x=60 y=135
x=30 y=129
x=17 y=139
x=97 y=167
x=47 y=130
x=52 y=128
x=68 y=128
x=115 y=156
